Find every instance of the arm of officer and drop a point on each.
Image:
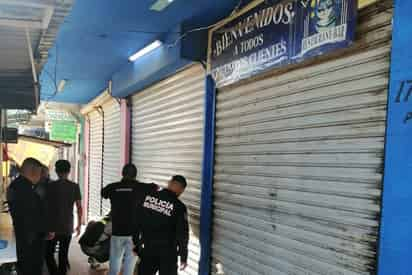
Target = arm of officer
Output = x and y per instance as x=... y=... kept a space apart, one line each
x=138 y=243
x=105 y=193
x=51 y=206
x=137 y=237
x=19 y=208
x=182 y=232
x=79 y=207
x=152 y=187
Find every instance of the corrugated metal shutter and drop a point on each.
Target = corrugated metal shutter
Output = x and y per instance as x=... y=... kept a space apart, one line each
x=167 y=140
x=112 y=163
x=95 y=164
x=299 y=162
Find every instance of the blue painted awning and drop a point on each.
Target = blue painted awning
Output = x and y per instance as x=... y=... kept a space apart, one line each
x=97 y=38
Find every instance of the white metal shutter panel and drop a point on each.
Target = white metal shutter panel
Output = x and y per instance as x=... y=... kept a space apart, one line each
x=95 y=164
x=112 y=162
x=167 y=140
x=299 y=162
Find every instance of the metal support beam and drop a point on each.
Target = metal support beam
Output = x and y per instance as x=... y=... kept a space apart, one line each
x=36 y=95
x=30 y=49
x=33 y=68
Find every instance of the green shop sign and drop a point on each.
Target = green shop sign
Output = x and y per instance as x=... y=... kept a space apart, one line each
x=63 y=131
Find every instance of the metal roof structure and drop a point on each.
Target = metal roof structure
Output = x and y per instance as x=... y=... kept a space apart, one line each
x=28 y=28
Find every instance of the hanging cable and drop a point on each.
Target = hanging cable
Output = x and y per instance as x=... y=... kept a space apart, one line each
x=53 y=78
x=186 y=33
x=234 y=11
x=237 y=8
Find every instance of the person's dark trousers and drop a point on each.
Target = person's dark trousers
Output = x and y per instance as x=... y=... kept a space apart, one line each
x=64 y=244
x=159 y=259
x=30 y=256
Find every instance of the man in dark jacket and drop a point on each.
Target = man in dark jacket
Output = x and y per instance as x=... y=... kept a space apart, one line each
x=164 y=230
x=29 y=218
x=124 y=197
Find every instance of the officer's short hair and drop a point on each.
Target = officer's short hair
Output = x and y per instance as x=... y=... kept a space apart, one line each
x=31 y=163
x=62 y=167
x=180 y=179
x=129 y=171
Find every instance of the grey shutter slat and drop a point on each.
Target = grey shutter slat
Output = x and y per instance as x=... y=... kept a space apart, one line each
x=167 y=140
x=299 y=163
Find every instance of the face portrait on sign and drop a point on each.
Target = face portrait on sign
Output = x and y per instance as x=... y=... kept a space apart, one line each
x=326 y=14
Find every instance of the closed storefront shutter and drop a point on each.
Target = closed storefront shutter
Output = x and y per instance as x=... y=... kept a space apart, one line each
x=299 y=163
x=167 y=129
x=95 y=164
x=112 y=163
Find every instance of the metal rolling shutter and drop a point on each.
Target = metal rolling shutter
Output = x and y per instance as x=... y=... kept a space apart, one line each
x=95 y=164
x=167 y=139
x=299 y=163
x=112 y=163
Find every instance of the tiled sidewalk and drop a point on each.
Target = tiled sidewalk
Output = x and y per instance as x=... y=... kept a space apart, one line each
x=79 y=264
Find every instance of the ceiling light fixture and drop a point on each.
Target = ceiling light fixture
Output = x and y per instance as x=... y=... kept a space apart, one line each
x=62 y=83
x=160 y=5
x=156 y=44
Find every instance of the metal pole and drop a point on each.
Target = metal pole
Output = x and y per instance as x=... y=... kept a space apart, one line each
x=30 y=49
x=33 y=68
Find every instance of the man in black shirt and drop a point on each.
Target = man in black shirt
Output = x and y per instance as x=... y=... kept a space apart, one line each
x=164 y=230
x=62 y=196
x=29 y=218
x=124 y=197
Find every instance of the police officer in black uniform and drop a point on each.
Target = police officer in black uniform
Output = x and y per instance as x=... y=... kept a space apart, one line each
x=163 y=230
x=29 y=218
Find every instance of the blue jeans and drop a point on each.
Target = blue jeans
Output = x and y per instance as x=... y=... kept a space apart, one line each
x=121 y=250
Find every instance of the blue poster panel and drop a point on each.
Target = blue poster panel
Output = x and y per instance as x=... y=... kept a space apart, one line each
x=395 y=245
x=268 y=34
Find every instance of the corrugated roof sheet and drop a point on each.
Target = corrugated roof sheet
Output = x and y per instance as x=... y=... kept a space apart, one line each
x=42 y=19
